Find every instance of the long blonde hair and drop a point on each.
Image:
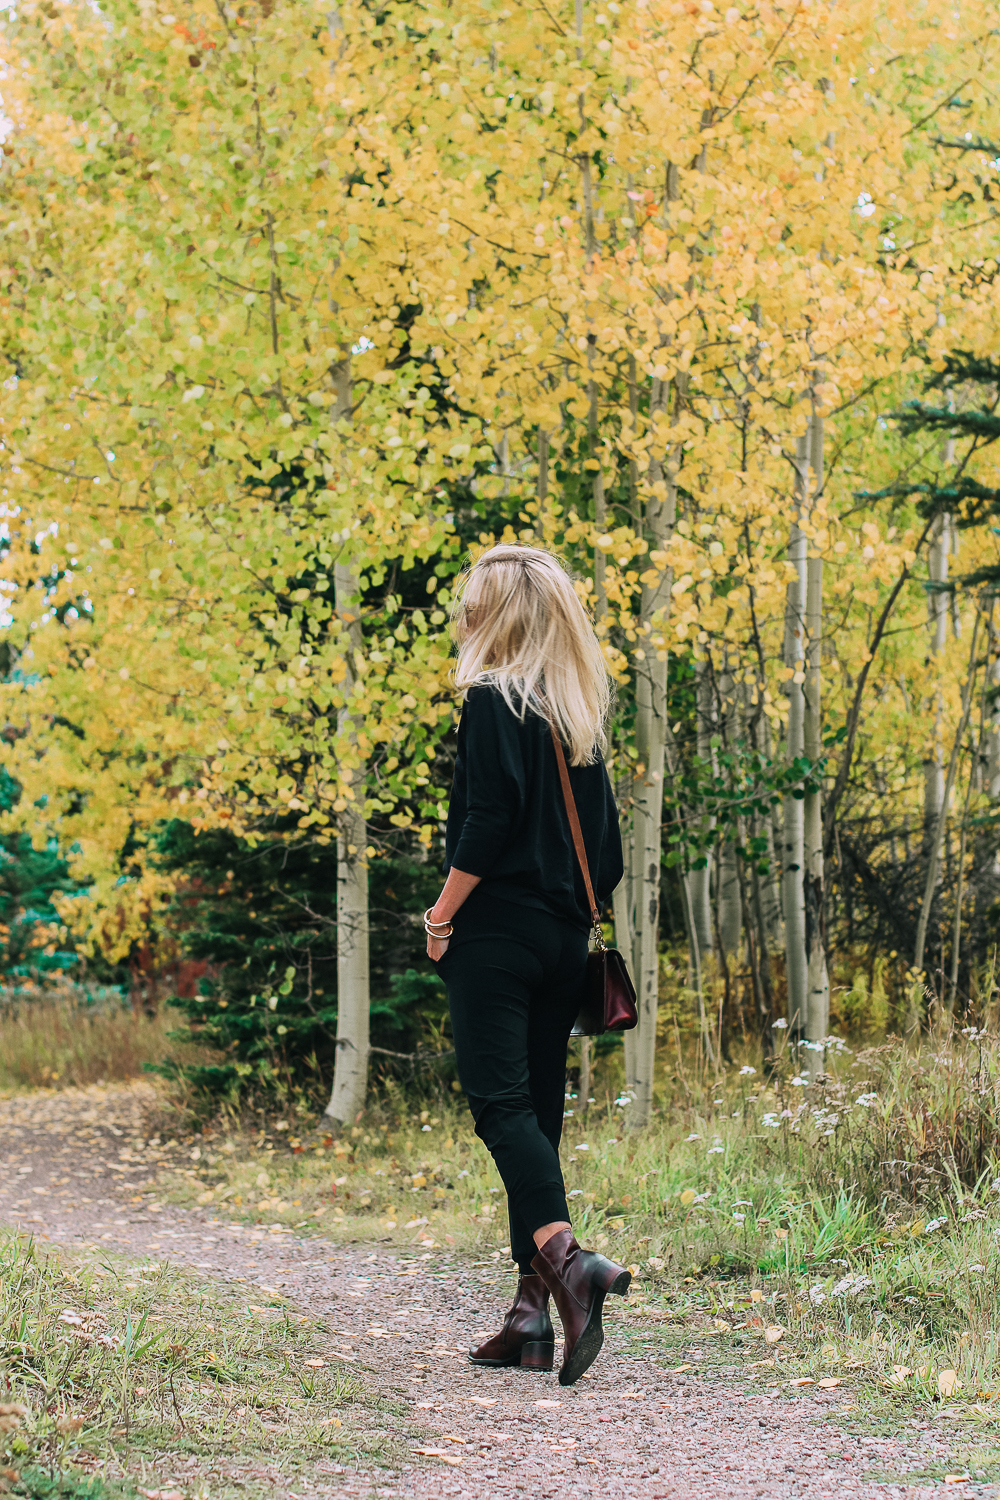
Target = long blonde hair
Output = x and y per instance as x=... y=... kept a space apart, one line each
x=520 y=625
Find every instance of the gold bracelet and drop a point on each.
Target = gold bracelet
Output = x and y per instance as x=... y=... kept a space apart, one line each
x=428 y=924
x=440 y=936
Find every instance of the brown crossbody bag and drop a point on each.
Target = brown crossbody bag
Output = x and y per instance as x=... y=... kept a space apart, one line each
x=609 y=994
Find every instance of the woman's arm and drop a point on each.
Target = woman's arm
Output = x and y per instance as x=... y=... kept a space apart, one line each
x=457 y=888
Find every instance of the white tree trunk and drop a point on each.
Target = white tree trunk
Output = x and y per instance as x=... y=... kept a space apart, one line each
x=624 y=939
x=650 y=737
x=793 y=858
x=770 y=826
x=701 y=880
x=730 y=898
x=991 y=727
x=350 y=1077
x=937 y=833
x=818 y=983
x=937 y=623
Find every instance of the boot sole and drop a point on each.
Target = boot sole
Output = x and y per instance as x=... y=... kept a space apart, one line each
x=588 y=1346
x=534 y=1356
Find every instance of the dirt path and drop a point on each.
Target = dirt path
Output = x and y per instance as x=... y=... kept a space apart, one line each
x=69 y=1176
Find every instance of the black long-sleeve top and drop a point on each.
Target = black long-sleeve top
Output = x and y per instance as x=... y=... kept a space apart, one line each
x=507 y=819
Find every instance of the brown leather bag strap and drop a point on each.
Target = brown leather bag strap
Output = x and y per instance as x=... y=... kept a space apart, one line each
x=574 y=826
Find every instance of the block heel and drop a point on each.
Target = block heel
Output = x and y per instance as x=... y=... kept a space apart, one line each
x=579 y=1281
x=612 y=1280
x=526 y=1338
x=538 y=1356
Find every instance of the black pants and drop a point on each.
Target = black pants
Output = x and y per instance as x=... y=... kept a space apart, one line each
x=515 y=977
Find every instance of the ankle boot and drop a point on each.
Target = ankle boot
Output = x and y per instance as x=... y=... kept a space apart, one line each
x=526 y=1338
x=579 y=1281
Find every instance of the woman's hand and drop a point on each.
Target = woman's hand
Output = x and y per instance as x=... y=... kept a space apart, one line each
x=456 y=888
x=436 y=948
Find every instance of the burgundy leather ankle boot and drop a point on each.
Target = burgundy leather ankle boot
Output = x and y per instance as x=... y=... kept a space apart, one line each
x=579 y=1281
x=526 y=1338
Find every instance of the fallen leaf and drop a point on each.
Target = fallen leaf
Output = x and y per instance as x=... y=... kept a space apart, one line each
x=681 y=1368
x=756 y=1295
x=547 y=1403
x=719 y=1325
x=759 y=1364
x=449 y=1438
x=828 y=1351
x=900 y=1374
x=688 y=1196
x=956 y=1478
x=446 y=1458
x=948 y=1382
x=805 y=1381
x=315 y=1364
x=483 y=1400
x=774 y=1334
x=828 y=1385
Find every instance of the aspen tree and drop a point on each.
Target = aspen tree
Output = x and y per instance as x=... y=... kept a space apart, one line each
x=793 y=852
x=459 y=252
x=817 y=1018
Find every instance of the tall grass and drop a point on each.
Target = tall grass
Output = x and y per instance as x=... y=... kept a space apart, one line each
x=865 y=1207
x=69 y=1036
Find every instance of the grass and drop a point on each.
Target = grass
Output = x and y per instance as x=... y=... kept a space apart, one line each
x=859 y=1215
x=779 y=1229
x=69 y=1035
x=117 y=1377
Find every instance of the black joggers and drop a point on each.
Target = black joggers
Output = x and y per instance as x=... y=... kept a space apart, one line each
x=515 y=977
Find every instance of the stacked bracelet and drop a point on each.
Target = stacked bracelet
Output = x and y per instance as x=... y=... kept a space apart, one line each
x=431 y=928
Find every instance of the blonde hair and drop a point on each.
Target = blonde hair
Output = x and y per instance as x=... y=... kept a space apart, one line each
x=521 y=626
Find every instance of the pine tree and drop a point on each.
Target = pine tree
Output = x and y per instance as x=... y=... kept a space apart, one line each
x=262 y=914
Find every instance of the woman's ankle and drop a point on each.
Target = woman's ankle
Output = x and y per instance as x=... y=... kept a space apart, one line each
x=542 y=1236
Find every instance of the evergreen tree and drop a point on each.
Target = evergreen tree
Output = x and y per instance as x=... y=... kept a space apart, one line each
x=262 y=914
x=956 y=493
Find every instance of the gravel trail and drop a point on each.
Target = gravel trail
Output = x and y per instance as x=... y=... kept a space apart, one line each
x=631 y=1431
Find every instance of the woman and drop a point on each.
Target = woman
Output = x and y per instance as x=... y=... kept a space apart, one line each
x=510 y=928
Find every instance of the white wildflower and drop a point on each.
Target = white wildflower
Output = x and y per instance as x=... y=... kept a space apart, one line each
x=747 y=1072
x=866 y=1100
x=977 y=1268
x=850 y=1286
x=780 y=1024
x=933 y=1224
x=739 y=1218
x=716 y=1150
x=816 y=1295
x=693 y=1137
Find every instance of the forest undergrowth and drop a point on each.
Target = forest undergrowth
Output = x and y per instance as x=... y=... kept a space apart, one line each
x=851 y=1219
x=857 y=1216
